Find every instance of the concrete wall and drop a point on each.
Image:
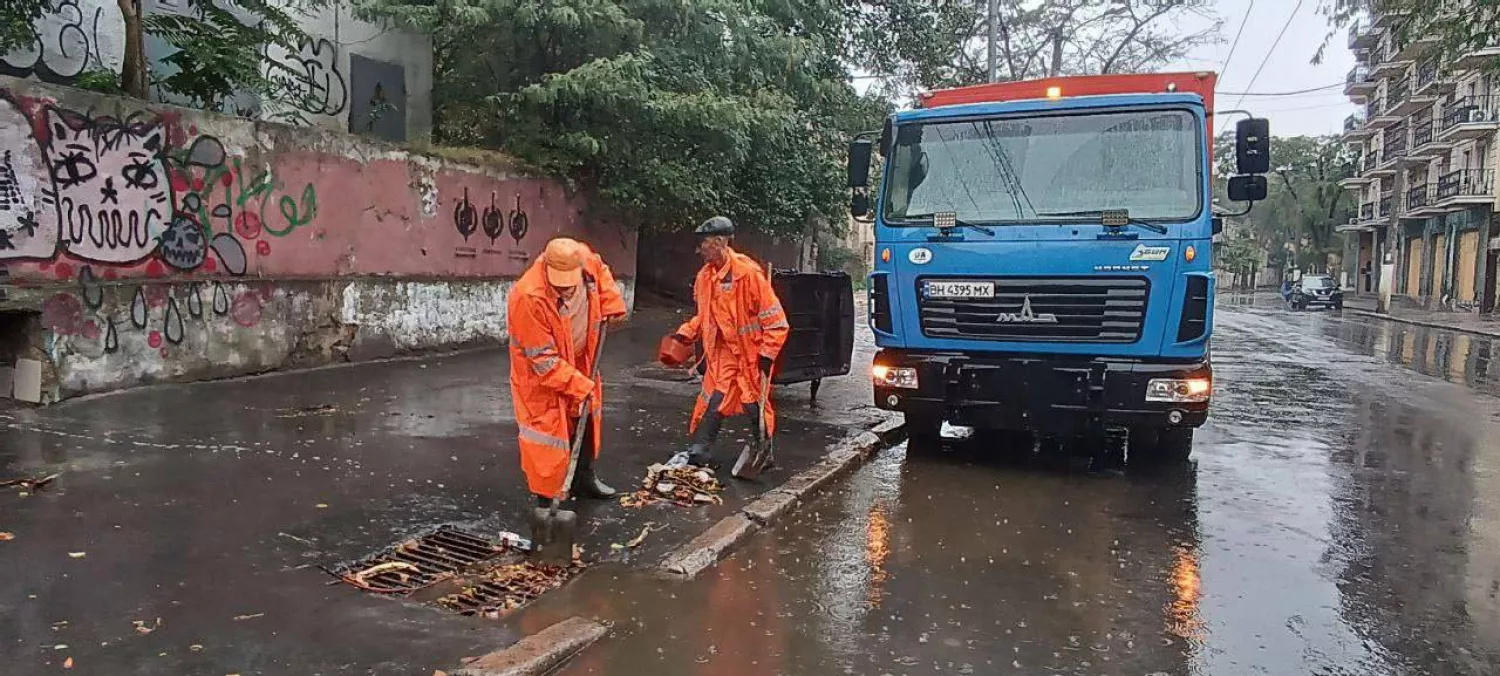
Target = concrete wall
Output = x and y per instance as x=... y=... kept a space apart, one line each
x=170 y=244
x=351 y=76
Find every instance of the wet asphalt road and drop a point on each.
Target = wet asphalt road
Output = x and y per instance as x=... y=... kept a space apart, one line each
x=1341 y=516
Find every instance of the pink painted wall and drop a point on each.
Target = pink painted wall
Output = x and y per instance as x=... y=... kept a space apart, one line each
x=92 y=191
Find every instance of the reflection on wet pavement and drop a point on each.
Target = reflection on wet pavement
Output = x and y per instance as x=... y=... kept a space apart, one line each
x=1342 y=516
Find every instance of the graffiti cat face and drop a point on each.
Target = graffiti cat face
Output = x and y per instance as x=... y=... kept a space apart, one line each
x=110 y=185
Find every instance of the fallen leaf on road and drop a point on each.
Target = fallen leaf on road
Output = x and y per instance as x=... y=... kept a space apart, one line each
x=362 y=577
x=636 y=542
x=439 y=672
x=60 y=646
x=7 y=537
x=241 y=618
x=68 y=663
x=142 y=629
x=195 y=647
x=322 y=505
x=77 y=555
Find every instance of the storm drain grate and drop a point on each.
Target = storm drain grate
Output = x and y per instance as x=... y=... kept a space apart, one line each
x=421 y=562
x=503 y=589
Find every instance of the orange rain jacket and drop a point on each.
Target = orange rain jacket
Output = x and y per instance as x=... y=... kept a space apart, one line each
x=739 y=320
x=547 y=381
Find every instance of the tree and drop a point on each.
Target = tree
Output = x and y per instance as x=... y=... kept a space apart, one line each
x=1460 y=27
x=17 y=22
x=670 y=109
x=926 y=44
x=1304 y=201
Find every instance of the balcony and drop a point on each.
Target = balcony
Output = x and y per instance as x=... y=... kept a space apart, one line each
x=1465 y=187
x=1416 y=47
x=1367 y=211
x=1387 y=60
x=1376 y=115
x=1470 y=117
x=1402 y=103
x=1358 y=83
x=1430 y=80
x=1478 y=56
x=1371 y=162
x=1362 y=37
x=1355 y=129
x=1419 y=203
x=1393 y=151
x=1425 y=147
x=1383 y=207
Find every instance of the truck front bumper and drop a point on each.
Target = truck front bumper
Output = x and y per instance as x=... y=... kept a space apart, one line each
x=1047 y=393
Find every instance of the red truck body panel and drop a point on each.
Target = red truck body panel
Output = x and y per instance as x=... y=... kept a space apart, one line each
x=1200 y=83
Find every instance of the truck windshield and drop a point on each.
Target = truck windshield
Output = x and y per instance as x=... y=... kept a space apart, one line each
x=1008 y=170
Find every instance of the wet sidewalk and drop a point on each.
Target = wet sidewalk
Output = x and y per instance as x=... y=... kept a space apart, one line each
x=1467 y=322
x=190 y=522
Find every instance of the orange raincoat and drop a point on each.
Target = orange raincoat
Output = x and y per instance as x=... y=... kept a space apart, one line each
x=739 y=320
x=547 y=381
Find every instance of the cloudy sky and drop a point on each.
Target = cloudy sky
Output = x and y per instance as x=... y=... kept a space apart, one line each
x=1286 y=68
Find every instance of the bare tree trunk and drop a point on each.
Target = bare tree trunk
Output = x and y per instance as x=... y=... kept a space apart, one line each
x=994 y=14
x=133 y=70
x=1057 y=53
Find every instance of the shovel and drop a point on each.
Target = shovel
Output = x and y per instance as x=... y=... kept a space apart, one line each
x=552 y=529
x=754 y=458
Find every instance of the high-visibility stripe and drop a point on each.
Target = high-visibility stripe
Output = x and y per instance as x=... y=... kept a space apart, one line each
x=770 y=312
x=544 y=365
x=530 y=352
x=778 y=324
x=538 y=437
x=749 y=329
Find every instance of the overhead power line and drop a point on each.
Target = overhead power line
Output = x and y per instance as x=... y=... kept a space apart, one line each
x=1297 y=92
x=1225 y=67
x=1272 y=50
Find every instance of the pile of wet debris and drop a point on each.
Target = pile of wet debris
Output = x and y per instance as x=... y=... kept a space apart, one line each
x=684 y=486
x=460 y=570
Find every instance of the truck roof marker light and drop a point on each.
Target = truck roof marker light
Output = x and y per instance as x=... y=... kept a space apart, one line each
x=1171 y=86
x=1190 y=253
x=885 y=255
x=1054 y=92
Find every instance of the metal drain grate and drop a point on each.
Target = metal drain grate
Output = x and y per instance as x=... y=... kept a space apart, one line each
x=504 y=589
x=421 y=562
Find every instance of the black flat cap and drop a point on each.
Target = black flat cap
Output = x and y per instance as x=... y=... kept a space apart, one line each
x=718 y=225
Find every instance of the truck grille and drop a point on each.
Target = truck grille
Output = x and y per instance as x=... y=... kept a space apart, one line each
x=1086 y=309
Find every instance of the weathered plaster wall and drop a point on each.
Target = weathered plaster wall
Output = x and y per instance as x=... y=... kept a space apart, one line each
x=350 y=76
x=170 y=244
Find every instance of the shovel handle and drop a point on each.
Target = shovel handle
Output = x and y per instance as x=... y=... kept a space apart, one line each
x=583 y=419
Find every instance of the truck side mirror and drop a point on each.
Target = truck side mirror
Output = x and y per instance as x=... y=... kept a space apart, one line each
x=859 y=163
x=859 y=204
x=1252 y=146
x=1245 y=189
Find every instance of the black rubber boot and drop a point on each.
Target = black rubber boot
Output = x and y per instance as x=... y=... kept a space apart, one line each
x=586 y=483
x=543 y=501
x=703 y=437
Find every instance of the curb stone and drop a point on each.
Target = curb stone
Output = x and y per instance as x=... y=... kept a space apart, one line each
x=714 y=544
x=538 y=653
x=1427 y=324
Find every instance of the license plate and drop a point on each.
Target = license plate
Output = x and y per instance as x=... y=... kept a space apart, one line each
x=960 y=289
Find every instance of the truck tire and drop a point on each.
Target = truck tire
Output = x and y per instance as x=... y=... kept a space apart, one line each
x=923 y=431
x=1161 y=447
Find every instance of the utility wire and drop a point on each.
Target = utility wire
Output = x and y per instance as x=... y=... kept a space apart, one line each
x=1225 y=67
x=1310 y=90
x=1272 y=50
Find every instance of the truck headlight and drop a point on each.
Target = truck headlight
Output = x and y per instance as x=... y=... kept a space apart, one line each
x=1179 y=391
x=891 y=376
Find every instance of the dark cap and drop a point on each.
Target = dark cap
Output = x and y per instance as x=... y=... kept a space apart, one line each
x=716 y=226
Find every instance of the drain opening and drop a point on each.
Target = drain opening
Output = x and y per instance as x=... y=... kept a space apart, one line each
x=421 y=562
x=506 y=588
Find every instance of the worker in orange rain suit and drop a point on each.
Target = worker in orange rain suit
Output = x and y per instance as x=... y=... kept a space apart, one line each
x=742 y=326
x=555 y=312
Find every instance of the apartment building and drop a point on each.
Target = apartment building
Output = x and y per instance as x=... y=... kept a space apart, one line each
x=1425 y=181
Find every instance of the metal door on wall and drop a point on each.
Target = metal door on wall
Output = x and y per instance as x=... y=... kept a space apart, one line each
x=1468 y=266
x=1414 y=267
x=1439 y=265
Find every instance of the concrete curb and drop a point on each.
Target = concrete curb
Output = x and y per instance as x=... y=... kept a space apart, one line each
x=715 y=544
x=538 y=653
x=1430 y=325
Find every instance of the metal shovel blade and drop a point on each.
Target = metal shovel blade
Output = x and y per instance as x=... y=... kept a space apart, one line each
x=745 y=466
x=552 y=536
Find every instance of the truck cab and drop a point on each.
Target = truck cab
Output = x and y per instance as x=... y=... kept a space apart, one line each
x=1043 y=257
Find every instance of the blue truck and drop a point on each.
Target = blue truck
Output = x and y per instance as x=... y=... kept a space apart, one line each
x=1043 y=257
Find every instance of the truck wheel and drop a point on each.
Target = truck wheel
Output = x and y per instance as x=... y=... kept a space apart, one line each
x=1160 y=447
x=923 y=431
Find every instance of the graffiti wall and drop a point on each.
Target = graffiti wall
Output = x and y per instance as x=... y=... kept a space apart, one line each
x=165 y=243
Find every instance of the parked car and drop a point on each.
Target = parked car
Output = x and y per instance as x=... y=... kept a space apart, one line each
x=1317 y=290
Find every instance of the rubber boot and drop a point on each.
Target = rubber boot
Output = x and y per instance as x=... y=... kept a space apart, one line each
x=543 y=501
x=752 y=412
x=587 y=484
x=708 y=430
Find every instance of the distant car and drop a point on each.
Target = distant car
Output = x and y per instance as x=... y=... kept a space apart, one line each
x=1317 y=290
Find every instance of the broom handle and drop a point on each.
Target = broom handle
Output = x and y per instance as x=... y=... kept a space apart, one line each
x=578 y=433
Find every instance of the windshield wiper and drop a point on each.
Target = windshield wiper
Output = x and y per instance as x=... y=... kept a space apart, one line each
x=1120 y=216
x=958 y=222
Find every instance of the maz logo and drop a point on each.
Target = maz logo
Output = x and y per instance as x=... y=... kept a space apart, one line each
x=1026 y=316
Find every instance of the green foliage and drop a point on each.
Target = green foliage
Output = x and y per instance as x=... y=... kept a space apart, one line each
x=17 y=18
x=1461 y=27
x=1304 y=201
x=220 y=51
x=925 y=44
x=673 y=110
x=102 y=81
